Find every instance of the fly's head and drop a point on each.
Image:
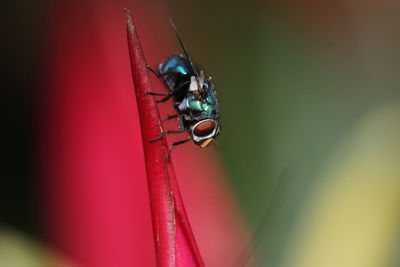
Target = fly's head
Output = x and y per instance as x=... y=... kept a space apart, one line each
x=204 y=132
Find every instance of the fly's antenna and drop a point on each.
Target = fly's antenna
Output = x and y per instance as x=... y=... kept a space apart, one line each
x=184 y=48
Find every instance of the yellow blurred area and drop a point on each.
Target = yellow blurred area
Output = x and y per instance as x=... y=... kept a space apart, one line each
x=352 y=218
x=18 y=250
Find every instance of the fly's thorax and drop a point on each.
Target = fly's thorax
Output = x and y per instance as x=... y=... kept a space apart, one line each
x=204 y=105
x=193 y=105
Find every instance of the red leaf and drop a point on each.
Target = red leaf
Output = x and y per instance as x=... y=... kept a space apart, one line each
x=174 y=240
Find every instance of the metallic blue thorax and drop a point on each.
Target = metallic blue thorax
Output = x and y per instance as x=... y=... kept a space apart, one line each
x=206 y=107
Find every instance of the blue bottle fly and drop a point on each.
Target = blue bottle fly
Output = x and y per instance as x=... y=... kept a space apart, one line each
x=194 y=97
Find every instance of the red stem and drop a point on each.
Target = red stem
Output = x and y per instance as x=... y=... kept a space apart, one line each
x=174 y=239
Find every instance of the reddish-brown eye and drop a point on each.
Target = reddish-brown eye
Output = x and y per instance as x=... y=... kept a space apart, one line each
x=204 y=128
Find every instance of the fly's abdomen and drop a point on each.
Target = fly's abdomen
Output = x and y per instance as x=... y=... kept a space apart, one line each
x=175 y=65
x=175 y=70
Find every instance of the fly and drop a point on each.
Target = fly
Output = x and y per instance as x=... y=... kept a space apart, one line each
x=194 y=97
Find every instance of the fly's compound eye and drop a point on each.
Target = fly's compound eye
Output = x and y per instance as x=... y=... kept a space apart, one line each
x=204 y=132
x=204 y=128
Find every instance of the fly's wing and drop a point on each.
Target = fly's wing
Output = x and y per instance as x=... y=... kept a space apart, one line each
x=187 y=55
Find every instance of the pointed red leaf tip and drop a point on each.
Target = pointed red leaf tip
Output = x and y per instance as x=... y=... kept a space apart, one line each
x=173 y=236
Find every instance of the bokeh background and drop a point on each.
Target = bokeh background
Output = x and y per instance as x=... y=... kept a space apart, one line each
x=310 y=123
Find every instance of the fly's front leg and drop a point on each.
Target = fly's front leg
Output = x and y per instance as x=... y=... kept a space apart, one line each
x=176 y=144
x=181 y=122
x=165 y=133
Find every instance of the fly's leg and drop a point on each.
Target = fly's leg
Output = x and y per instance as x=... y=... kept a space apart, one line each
x=165 y=133
x=181 y=122
x=176 y=144
x=158 y=74
x=170 y=117
x=168 y=96
x=157 y=94
x=177 y=89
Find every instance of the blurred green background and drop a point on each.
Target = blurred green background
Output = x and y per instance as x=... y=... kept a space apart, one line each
x=310 y=121
x=309 y=98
